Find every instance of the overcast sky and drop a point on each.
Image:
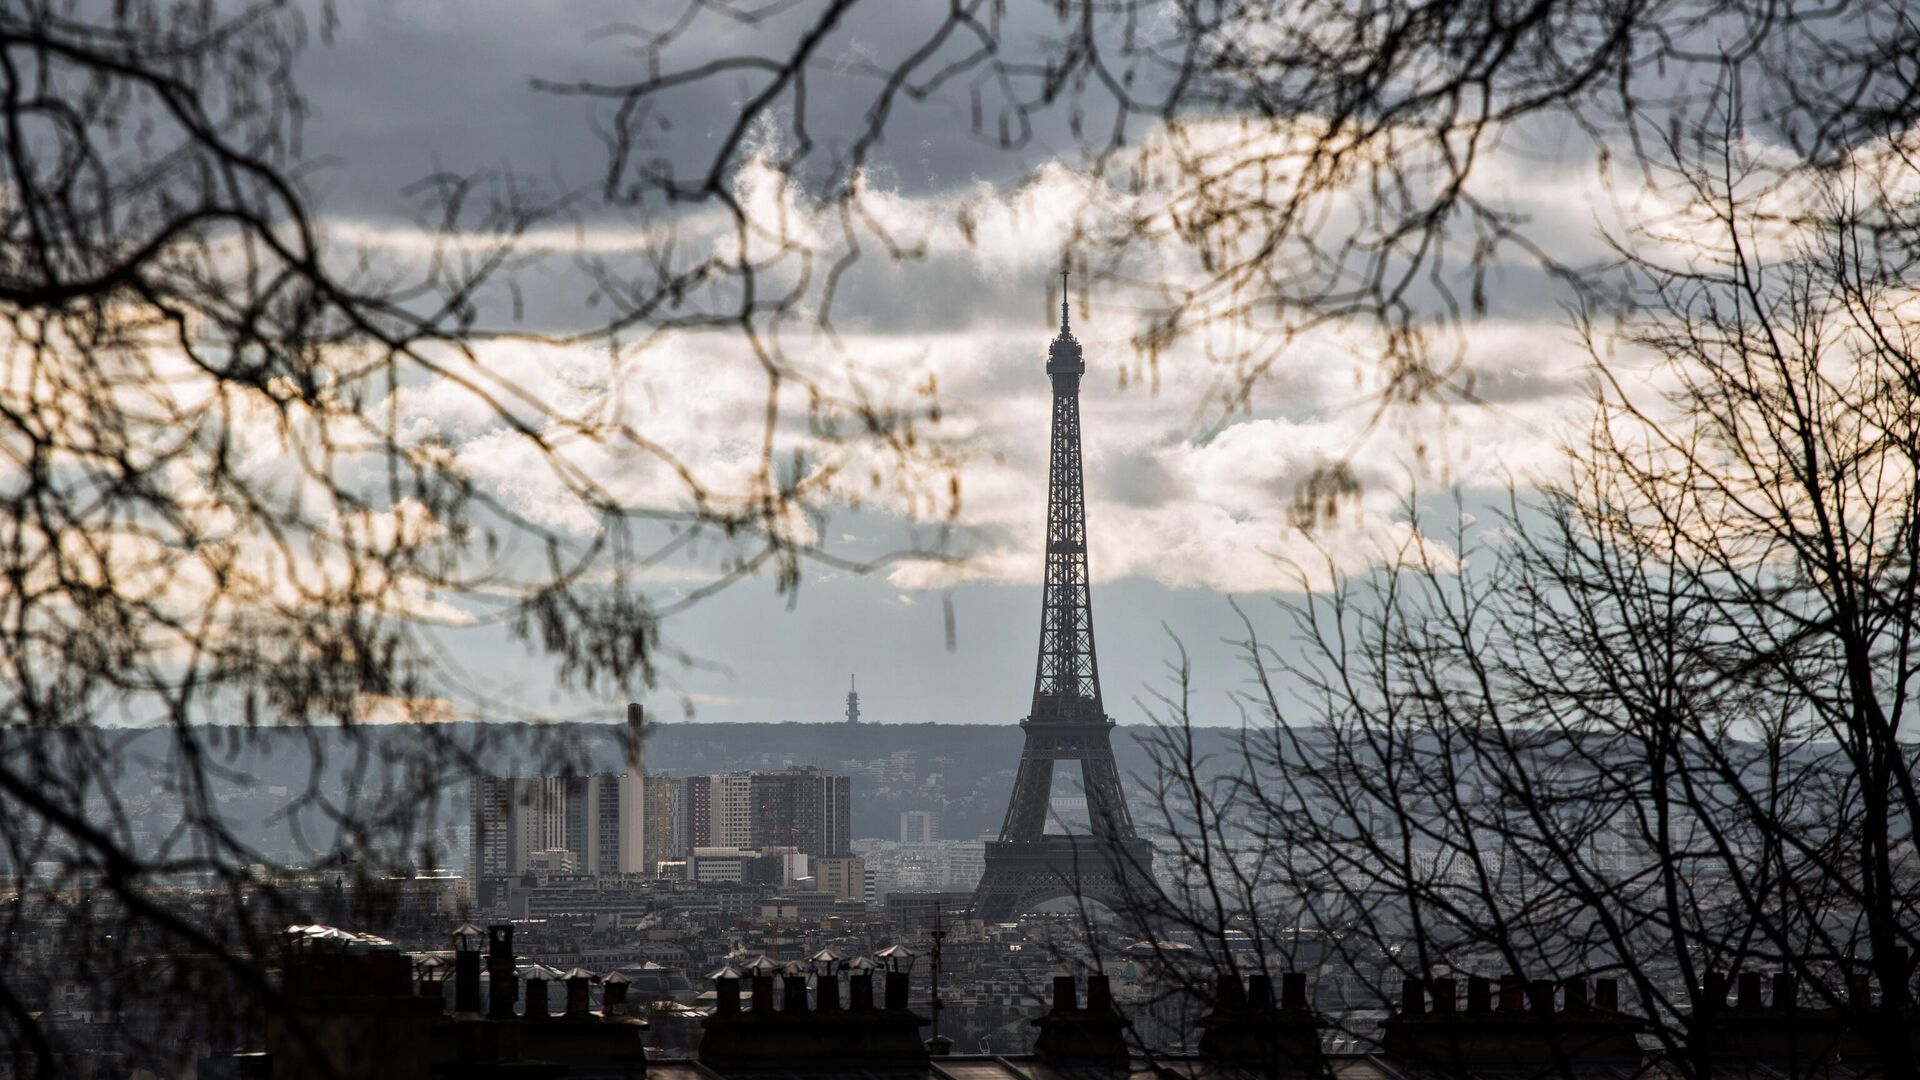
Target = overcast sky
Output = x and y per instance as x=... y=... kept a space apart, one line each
x=1187 y=511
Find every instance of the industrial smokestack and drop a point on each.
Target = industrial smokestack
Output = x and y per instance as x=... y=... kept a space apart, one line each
x=633 y=796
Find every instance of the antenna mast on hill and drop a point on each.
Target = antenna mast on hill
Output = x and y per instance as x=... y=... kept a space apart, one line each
x=853 y=701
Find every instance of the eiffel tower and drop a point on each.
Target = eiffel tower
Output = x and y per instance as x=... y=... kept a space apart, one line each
x=1027 y=865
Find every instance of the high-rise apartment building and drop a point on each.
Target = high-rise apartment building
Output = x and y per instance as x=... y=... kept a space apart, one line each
x=735 y=820
x=698 y=809
x=666 y=828
x=601 y=818
x=919 y=826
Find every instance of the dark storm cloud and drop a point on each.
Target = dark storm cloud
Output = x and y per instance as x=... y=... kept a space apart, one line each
x=411 y=87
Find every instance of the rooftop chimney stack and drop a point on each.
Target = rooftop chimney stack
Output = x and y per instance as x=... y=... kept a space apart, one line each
x=613 y=994
x=1513 y=993
x=1293 y=991
x=1259 y=992
x=537 y=980
x=503 y=987
x=579 y=993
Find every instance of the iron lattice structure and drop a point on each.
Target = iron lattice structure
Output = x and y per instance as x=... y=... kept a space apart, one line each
x=1026 y=865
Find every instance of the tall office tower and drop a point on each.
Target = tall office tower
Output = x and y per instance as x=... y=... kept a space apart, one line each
x=511 y=818
x=699 y=812
x=666 y=825
x=593 y=822
x=806 y=809
x=542 y=801
x=491 y=811
x=632 y=858
x=919 y=826
x=735 y=823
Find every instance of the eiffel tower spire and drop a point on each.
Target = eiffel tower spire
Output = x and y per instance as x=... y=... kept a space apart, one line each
x=1066 y=682
x=1068 y=721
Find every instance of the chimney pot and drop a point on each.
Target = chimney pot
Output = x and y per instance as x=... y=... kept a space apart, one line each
x=1576 y=992
x=1715 y=992
x=1413 y=998
x=1606 y=994
x=826 y=991
x=536 y=999
x=613 y=997
x=793 y=994
x=1748 y=983
x=860 y=991
x=1479 y=994
x=1063 y=994
x=762 y=994
x=466 y=982
x=1444 y=996
x=1227 y=995
x=897 y=989
x=1099 y=994
x=726 y=997
x=1293 y=991
x=1786 y=990
x=1860 y=990
x=1260 y=992
x=1513 y=993
x=1540 y=996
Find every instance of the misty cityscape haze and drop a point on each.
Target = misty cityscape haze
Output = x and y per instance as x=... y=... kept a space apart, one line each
x=1006 y=540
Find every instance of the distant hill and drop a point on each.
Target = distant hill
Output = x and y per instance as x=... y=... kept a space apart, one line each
x=965 y=771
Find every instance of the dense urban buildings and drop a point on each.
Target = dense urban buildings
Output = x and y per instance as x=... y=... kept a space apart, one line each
x=719 y=821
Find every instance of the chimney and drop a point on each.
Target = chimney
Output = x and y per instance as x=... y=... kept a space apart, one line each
x=636 y=730
x=503 y=988
x=1099 y=994
x=726 y=997
x=1606 y=994
x=579 y=992
x=1860 y=990
x=793 y=993
x=537 y=980
x=1070 y=1035
x=466 y=982
x=1786 y=990
x=1749 y=992
x=1896 y=989
x=1576 y=989
x=1444 y=996
x=1413 y=998
x=1513 y=993
x=897 y=986
x=613 y=994
x=1479 y=994
x=1293 y=991
x=1247 y=1032
x=762 y=994
x=1259 y=993
x=1540 y=996
x=860 y=991
x=1715 y=991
